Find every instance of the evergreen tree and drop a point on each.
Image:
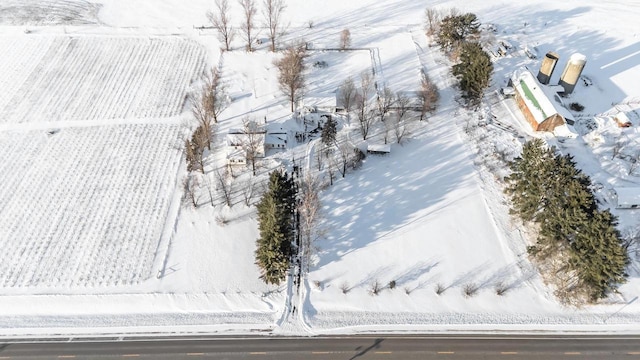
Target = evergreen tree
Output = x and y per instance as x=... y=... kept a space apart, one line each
x=276 y=225
x=329 y=131
x=456 y=29
x=473 y=71
x=526 y=183
x=568 y=204
x=598 y=255
x=549 y=189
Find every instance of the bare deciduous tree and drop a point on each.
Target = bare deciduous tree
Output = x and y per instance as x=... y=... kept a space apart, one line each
x=454 y=11
x=273 y=10
x=433 y=20
x=402 y=104
x=190 y=184
x=385 y=100
x=427 y=96
x=631 y=241
x=309 y=209
x=199 y=141
x=224 y=184
x=345 y=39
x=399 y=126
x=617 y=147
x=248 y=191
x=194 y=149
x=248 y=25
x=222 y=23
x=252 y=142
x=347 y=94
x=400 y=122
x=387 y=127
x=365 y=117
x=190 y=156
x=214 y=94
x=202 y=116
x=209 y=186
x=319 y=156
x=345 y=151
x=291 y=73
x=332 y=165
x=207 y=105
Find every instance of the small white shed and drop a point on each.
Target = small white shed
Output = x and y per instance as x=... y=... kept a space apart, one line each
x=378 y=149
x=628 y=197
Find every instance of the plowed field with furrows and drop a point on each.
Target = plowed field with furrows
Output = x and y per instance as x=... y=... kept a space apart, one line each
x=48 y=79
x=84 y=207
x=48 y=12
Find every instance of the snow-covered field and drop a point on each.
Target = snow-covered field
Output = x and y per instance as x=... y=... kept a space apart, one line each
x=72 y=78
x=84 y=207
x=89 y=123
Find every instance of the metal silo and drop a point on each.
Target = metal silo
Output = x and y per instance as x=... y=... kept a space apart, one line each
x=572 y=72
x=546 y=69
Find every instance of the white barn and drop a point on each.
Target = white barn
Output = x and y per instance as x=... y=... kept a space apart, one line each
x=541 y=105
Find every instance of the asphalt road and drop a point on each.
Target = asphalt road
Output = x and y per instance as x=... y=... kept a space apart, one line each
x=336 y=348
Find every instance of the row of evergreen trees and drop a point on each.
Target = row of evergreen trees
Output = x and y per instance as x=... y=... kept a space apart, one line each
x=458 y=35
x=547 y=189
x=275 y=246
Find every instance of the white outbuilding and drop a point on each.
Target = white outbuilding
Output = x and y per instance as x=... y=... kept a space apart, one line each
x=628 y=197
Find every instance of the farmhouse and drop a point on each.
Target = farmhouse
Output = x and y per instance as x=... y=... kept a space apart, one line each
x=239 y=141
x=541 y=105
x=628 y=197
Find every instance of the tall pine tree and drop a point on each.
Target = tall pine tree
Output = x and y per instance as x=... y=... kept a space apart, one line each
x=329 y=132
x=276 y=224
x=526 y=183
x=473 y=71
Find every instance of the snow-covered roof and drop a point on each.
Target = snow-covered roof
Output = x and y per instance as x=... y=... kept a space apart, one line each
x=236 y=153
x=242 y=132
x=320 y=100
x=628 y=196
x=565 y=130
x=379 y=148
x=276 y=138
x=541 y=100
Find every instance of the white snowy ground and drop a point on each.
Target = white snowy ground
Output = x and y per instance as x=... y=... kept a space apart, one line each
x=428 y=213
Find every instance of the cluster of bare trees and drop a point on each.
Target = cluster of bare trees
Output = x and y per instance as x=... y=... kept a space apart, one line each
x=211 y=101
x=272 y=12
x=291 y=72
x=391 y=110
x=206 y=106
x=398 y=122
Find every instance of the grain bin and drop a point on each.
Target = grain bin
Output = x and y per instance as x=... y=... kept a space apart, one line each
x=546 y=69
x=572 y=72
